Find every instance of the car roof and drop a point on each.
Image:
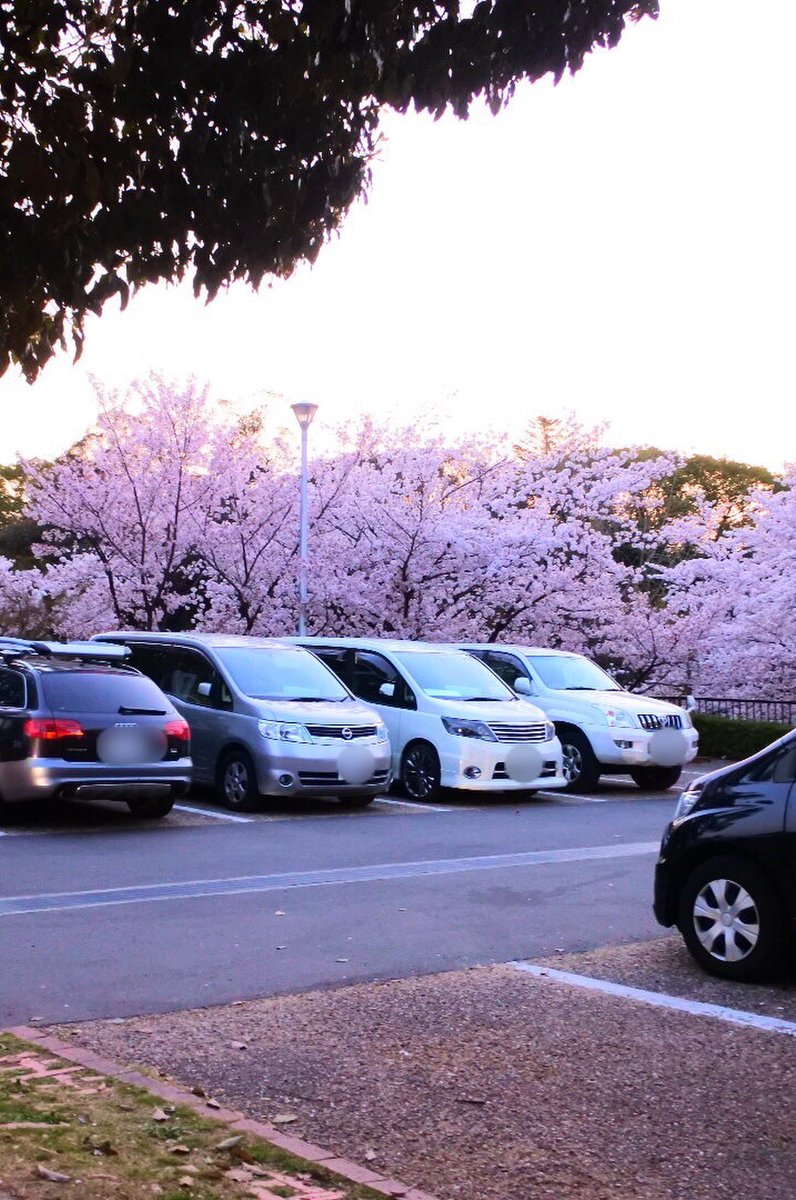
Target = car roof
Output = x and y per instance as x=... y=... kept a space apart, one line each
x=70 y=667
x=392 y=644
x=518 y=648
x=211 y=640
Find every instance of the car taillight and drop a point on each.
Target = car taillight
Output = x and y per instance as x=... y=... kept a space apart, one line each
x=51 y=730
x=179 y=730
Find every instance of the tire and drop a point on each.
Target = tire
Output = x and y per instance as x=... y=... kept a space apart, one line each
x=420 y=772
x=732 y=921
x=151 y=810
x=581 y=769
x=656 y=779
x=236 y=782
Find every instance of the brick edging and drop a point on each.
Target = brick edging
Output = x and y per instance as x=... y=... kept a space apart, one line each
x=350 y=1171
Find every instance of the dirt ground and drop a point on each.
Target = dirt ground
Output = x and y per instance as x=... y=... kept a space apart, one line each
x=489 y=1084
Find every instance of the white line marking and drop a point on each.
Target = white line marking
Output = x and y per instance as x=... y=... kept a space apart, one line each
x=411 y=804
x=734 y=1016
x=562 y=795
x=207 y=812
x=239 y=885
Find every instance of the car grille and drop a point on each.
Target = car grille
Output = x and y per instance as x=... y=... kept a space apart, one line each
x=519 y=733
x=332 y=779
x=547 y=771
x=336 y=731
x=660 y=721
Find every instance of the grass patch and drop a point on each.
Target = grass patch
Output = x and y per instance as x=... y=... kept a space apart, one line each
x=111 y=1146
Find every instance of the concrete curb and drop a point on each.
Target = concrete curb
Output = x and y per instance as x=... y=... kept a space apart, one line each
x=343 y=1167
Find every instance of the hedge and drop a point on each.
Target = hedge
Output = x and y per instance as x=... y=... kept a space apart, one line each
x=723 y=737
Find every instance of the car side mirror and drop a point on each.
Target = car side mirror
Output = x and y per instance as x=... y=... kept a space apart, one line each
x=522 y=686
x=204 y=688
x=387 y=689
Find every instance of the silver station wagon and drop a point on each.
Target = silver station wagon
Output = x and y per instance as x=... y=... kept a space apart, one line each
x=266 y=718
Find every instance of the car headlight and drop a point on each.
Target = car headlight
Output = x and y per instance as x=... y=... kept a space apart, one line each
x=381 y=733
x=687 y=801
x=549 y=731
x=616 y=717
x=283 y=731
x=467 y=728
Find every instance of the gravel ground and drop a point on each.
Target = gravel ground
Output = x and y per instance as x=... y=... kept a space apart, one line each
x=492 y=1085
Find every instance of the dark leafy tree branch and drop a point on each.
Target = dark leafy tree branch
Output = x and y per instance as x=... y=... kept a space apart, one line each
x=143 y=140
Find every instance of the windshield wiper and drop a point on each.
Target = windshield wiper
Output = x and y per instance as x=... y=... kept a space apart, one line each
x=472 y=699
x=126 y=711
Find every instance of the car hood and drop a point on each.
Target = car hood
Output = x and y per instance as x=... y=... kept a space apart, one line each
x=349 y=712
x=514 y=712
x=629 y=701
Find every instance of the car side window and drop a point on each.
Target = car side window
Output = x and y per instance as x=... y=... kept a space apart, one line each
x=377 y=681
x=341 y=661
x=776 y=768
x=13 y=693
x=193 y=679
x=507 y=666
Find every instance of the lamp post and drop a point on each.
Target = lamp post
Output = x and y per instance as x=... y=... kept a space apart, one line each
x=304 y=414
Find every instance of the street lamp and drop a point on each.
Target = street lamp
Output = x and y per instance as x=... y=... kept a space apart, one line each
x=304 y=414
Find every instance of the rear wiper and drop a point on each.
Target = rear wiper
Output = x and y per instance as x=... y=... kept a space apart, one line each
x=141 y=712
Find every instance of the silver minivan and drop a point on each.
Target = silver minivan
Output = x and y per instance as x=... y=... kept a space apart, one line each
x=266 y=718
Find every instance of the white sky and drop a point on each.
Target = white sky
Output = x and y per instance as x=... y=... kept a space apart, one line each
x=622 y=247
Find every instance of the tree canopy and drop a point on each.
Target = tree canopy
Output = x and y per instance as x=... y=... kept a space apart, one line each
x=143 y=140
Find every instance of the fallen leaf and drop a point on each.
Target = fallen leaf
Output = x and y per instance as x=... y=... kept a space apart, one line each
x=370 y=1155
x=179 y=1149
x=279 y=913
x=212 y=1103
x=341 y=960
x=51 y=1176
x=284 y=1118
x=238 y=1175
x=471 y=1100
x=186 y=1181
x=239 y=1046
x=198 y=1091
x=160 y=1115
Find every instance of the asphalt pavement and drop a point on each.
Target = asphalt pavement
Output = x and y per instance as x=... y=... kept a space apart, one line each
x=101 y=917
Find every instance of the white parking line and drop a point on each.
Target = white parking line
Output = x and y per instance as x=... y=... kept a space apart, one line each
x=735 y=1016
x=411 y=804
x=210 y=812
x=562 y=795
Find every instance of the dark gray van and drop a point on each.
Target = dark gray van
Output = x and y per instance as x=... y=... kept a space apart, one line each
x=266 y=718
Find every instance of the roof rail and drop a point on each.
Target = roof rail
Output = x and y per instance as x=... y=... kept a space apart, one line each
x=98 y=651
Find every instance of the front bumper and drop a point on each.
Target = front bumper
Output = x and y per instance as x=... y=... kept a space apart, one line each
x=314 y=769
x=492 y=761
x=618 y=747
x=43 y=778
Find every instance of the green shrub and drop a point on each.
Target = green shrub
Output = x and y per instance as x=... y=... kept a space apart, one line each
x=722 y=737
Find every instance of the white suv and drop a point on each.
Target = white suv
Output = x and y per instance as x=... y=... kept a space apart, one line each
x=602 y=728
x=452 y=722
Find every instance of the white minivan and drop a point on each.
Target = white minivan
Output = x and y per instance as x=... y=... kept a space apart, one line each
x=452 y=722
x=602 y=728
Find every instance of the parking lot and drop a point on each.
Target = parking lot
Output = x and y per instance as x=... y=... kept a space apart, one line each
x=203 y=807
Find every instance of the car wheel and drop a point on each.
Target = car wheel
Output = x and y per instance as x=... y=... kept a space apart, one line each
x=581 y=769
x=237 y=782
x=151 y=810
x=732 y=921
x=656 y=779
x=420 y=772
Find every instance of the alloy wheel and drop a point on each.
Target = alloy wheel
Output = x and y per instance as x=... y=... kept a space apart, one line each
x=421 y=773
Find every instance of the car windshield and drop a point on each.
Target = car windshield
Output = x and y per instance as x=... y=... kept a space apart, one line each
x=572 y=673
x=281 y=673
x=453 y=675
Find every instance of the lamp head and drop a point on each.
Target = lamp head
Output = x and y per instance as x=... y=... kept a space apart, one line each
x=304 y=414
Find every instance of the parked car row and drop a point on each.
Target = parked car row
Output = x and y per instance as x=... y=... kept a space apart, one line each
x=313 y=717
